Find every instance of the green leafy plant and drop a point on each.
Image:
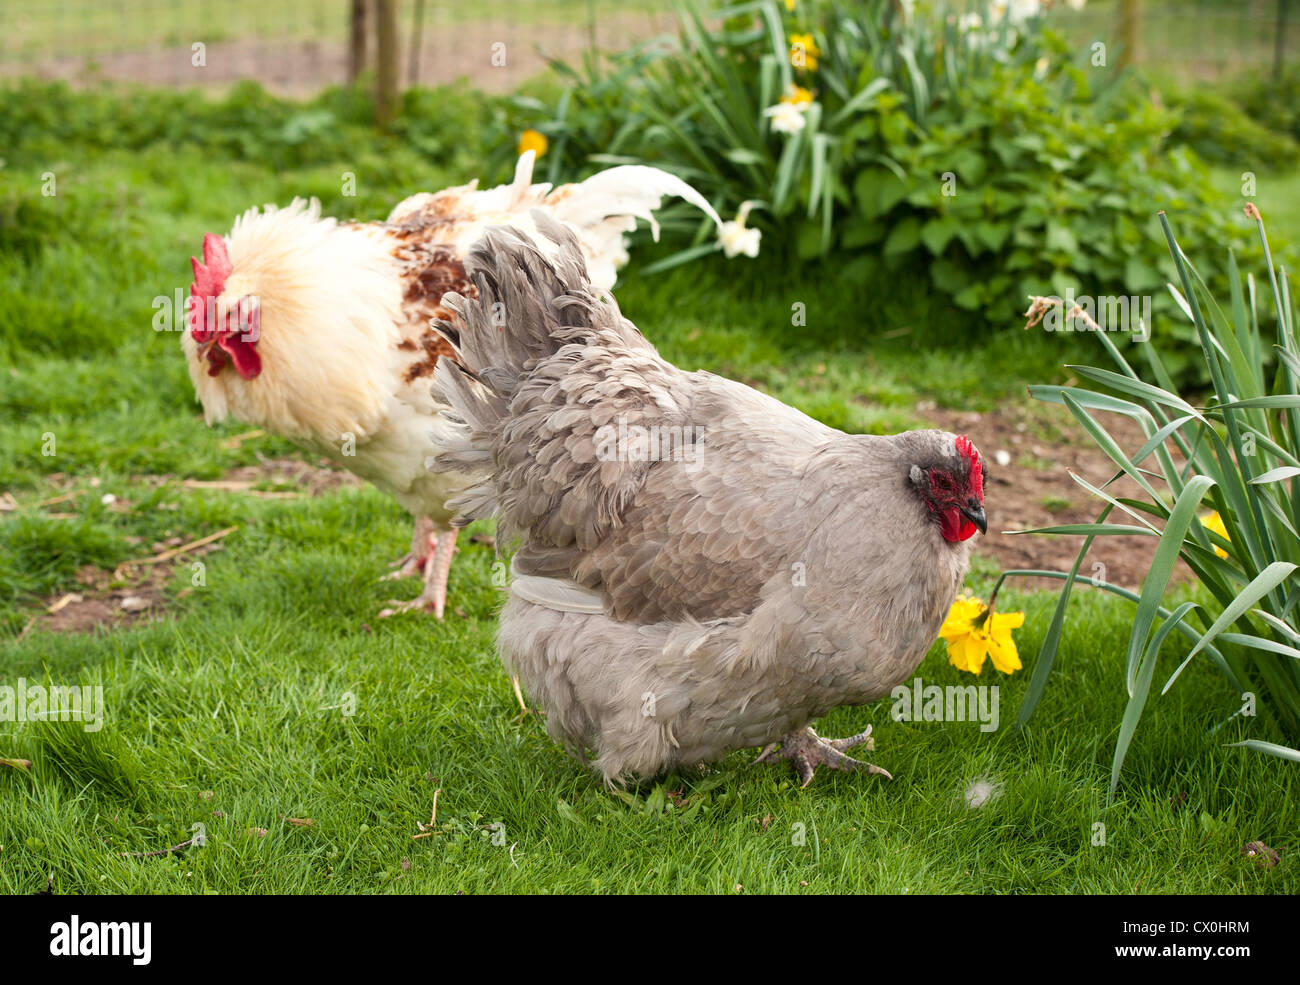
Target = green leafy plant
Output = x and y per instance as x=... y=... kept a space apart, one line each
x=448 y=125
x=980 y=155
x=1221 y=131
x=1274 y=103
x=1239 y=452
x=699 y=103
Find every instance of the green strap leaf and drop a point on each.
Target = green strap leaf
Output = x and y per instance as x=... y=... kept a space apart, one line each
x=1162 y=567
x=1284 y=401
x=1260 y=643
x=1090 y=529
x=1275 y=475
x=1263 y=583
x=1090 y=399
x=1102 y=494
x=1272 y=748
x=1108 y=444
x=863 y=96
x=1135 y=388
x=1052 y=641
x=1276 y=623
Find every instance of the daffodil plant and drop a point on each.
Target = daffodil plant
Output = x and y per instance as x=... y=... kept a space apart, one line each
x=1240 y=451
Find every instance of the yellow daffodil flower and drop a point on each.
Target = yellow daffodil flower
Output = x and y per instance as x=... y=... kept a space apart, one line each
x=789 y=5
x=532 y=140
x=797 y=95
x=1215 y=522
x=973 y=633
x=804 y=52
x=787 y=116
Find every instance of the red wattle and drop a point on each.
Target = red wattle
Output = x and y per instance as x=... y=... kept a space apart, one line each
x=247 y=362
x=954 y=527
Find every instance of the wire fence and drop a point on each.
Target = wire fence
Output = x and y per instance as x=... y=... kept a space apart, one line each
x=1194 y=40
x=295 y=47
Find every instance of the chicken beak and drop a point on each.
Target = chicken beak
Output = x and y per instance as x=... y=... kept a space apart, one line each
x=975 y=514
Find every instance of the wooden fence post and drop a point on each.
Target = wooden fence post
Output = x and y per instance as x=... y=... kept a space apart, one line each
x=1278 y=43
x=1130 y=32
x=386 y=86
x=357 y=41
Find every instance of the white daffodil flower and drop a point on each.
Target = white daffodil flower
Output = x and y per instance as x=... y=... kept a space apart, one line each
x=787 y=117
x=736 y=238
x=1023 y=10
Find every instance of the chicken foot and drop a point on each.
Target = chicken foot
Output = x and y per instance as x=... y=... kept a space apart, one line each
x=422 y=545
x=807 y=750
x=436 y=568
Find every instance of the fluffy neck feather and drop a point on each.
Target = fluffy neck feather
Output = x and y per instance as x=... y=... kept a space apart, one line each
x=330 y=300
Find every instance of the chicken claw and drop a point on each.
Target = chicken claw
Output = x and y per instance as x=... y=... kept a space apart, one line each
x=806 y=750
x=407 y=566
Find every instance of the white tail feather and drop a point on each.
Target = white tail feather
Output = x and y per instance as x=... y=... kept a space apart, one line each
x=628 y=190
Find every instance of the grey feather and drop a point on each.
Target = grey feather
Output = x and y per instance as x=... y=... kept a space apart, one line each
x=764 y=572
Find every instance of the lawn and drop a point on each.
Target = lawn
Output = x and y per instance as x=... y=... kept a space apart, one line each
x=309 y=739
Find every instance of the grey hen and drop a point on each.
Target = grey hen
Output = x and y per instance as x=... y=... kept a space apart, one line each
x=701 y=568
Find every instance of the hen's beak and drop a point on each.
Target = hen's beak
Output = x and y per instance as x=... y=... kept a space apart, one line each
x=975 y=514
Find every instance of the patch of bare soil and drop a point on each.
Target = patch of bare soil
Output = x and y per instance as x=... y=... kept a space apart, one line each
x=281 y=478
x=1041 y=445
x=136 y=590
x=270 y=478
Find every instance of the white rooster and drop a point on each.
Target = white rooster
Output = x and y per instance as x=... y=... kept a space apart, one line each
x=319 y=331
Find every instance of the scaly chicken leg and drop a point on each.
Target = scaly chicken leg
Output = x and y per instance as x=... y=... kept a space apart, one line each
x=807 y=750
x=412 y=563
x=436 y=565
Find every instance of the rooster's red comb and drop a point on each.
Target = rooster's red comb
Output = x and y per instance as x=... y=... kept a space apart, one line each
x=210 y=275
x=967 y=451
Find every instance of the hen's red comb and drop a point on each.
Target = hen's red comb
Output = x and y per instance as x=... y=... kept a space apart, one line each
x=210 y=275
x=967 y=451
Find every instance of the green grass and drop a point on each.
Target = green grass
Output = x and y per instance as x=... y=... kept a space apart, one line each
x=1277 y=194
x=230 y=711
x=233 y=708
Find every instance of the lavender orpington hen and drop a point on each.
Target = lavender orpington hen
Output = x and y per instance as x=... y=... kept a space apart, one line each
x=667 y=612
